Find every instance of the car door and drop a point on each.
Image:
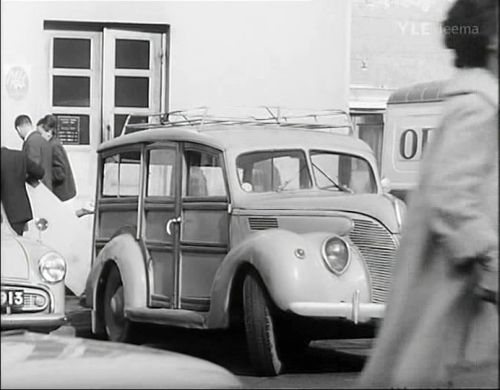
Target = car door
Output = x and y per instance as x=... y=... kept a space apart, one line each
x=118 y=193
x=204 y=235
x=161 y=214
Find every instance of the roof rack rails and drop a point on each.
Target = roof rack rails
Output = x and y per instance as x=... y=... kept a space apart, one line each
x=329 y=119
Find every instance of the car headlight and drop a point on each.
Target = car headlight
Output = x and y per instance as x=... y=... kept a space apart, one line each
x=52 y=267
x=335 y=253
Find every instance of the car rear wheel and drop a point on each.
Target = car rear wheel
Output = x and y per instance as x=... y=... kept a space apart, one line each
x=260 y=328
x=118 y=327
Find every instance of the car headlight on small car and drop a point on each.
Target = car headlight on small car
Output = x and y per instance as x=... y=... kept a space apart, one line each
x=335 y=253
x=52 y=267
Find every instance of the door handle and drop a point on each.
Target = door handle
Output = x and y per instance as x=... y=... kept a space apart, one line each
x=108 y=132
x=170 y=222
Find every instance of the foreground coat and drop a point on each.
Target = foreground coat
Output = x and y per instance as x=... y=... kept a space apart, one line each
x=39 y=150
x=433 y=319
x=63 y=182
x=16 y=170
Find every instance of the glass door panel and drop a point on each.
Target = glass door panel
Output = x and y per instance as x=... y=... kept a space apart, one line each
x=132 y=77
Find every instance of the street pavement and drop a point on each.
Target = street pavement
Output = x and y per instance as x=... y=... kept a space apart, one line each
x=332 y=364
x=324 y=364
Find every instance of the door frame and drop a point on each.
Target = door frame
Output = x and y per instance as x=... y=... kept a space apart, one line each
x=174 y=247
x=94 y=73
x=201 y=203
x=110 y=72
x=95 y=30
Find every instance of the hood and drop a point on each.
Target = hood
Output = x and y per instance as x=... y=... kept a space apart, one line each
x=14 y=260
x=318 y=202
x=73 y=362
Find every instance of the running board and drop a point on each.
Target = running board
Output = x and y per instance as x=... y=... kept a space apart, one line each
x=172 y=317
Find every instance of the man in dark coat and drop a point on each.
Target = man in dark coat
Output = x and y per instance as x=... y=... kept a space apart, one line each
x=63 y=182
x=36 y=147
x=16 y=170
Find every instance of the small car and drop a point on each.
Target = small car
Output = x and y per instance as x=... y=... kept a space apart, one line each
x=37 y=361
x=32 y=281
x=277 y=224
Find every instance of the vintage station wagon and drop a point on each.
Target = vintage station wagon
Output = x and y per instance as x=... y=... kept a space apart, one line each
x=277 y=224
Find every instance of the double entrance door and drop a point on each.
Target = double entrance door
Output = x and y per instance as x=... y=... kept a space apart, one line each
x=97 y=78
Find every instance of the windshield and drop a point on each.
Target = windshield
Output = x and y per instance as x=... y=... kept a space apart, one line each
x=342 y=172
x=284 y=170
x=276 y=170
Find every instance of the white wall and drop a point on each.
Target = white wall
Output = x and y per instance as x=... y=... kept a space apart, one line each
x=399 y=42
x=291 y=53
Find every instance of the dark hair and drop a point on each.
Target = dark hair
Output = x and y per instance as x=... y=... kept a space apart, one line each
x=22 y=120
x=41 y=122
x=50 y=122
x=468 y=29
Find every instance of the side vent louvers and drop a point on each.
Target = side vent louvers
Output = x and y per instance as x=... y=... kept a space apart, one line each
x=262 y=223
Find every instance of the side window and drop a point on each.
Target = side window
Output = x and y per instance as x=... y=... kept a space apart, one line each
x=161 y=178
x=204 y=175
x=335 y=171
x=121 y=174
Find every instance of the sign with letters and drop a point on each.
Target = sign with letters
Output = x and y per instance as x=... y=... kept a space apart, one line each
x=68 y=129
x=412 y=142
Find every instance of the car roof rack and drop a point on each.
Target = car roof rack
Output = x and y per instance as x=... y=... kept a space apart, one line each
x=333 y=120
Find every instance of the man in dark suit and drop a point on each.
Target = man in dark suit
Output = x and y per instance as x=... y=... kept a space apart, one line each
x=37 y=148
x=16 y=170
x=63 y=182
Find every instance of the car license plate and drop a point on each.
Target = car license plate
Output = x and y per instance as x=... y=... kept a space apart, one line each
x=12 y=298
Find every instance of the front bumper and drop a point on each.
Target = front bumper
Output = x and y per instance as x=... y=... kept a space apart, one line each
x=32 y=321
x=354 y=310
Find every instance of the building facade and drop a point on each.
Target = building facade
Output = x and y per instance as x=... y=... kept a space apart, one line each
x=394 y=44
x=92 y=63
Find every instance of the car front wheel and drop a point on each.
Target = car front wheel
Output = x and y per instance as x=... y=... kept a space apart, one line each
x=118 y=327
x=260 y=328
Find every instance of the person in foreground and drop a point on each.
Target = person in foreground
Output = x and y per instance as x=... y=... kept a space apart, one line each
x=17 y=170
x=440 y=313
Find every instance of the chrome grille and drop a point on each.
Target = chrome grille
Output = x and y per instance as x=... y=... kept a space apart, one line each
x=30 y=296
x=30 y=304
x=261 y=223
x=378 y=248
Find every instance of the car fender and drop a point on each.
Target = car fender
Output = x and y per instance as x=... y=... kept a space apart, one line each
x=287 y=277
x=125 y=252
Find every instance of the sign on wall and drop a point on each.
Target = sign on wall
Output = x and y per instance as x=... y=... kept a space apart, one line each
x=412 y=142
x=68 y=129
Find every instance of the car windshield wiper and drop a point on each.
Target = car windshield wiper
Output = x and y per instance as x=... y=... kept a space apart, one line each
x=342 y=188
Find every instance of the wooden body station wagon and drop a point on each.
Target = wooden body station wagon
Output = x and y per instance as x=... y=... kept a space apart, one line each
x=276 y=223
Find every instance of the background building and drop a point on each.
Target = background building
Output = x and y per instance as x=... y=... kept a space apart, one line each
x=394 y=44
x=93 y=62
